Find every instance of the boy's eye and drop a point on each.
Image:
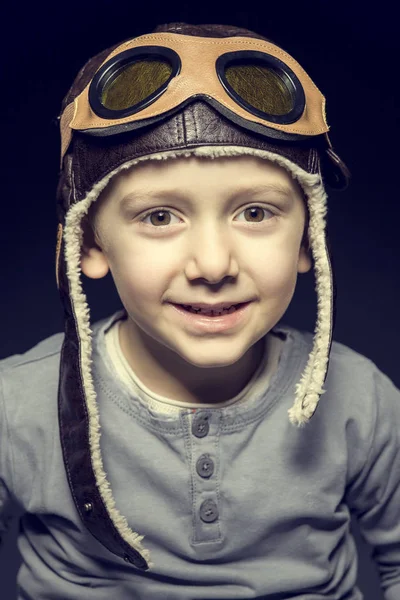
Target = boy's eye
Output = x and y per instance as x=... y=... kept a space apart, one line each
x=253 y=213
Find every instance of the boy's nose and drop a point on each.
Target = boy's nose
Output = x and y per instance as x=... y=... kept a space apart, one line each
x=211 y=257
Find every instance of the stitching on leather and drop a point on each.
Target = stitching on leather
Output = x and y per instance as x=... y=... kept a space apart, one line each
x=180 y=130
x=206 y=41
x=314 y=160
x=184 y=129
x=195 y=128
x=189 y=119
x=73 y=186
x=309 y=160
x=76 y=173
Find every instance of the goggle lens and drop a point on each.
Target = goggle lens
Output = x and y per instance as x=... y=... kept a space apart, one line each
x=135 y=82
x=260 y=86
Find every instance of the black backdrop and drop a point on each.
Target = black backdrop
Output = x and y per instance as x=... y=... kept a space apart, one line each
x=350 y=49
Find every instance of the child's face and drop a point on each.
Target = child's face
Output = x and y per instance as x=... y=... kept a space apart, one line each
x=204 y=247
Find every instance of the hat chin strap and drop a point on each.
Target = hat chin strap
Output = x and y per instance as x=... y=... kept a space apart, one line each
x=308 y=390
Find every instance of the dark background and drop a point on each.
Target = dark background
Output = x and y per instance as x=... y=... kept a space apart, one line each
x=350 y=49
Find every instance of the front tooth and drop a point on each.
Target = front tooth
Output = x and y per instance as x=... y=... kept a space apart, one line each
x=204 y=311
x=213 y=312
x=188 y=307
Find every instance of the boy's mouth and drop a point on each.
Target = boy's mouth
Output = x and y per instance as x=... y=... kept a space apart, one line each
x=211 y=313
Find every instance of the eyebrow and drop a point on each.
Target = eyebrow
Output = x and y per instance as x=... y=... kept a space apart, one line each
x=139 y=196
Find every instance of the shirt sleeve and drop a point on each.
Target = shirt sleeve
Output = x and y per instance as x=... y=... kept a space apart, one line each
x=373 y=494
x=8 y=505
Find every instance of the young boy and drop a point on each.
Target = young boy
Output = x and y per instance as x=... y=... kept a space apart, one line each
x=174 y=450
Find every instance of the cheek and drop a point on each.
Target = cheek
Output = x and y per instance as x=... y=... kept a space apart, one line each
x=278 y=281
x=275 y=266
x=140 y=275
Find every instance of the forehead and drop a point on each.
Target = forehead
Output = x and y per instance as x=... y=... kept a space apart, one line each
x=195 y=177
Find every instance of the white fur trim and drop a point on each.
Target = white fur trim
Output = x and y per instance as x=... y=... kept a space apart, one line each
x=307 y=390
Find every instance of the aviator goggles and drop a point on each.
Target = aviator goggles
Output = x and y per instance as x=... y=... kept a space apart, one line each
x=252 y=82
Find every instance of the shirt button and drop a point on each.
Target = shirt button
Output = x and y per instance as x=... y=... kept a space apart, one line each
x=205 y=466
x=208 y=511
x=200 y=425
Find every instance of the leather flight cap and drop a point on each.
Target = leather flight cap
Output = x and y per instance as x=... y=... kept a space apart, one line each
x=166 y=116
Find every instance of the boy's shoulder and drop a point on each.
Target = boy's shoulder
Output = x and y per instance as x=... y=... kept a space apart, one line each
x=42 y=351
x=350 y=374
x=30 y=379
x=349 y=371
x=29 y=387
x=43 y=354
x=339 y=353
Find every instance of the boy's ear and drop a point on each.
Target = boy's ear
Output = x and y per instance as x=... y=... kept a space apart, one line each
x=304 y=264
x=94 y=263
